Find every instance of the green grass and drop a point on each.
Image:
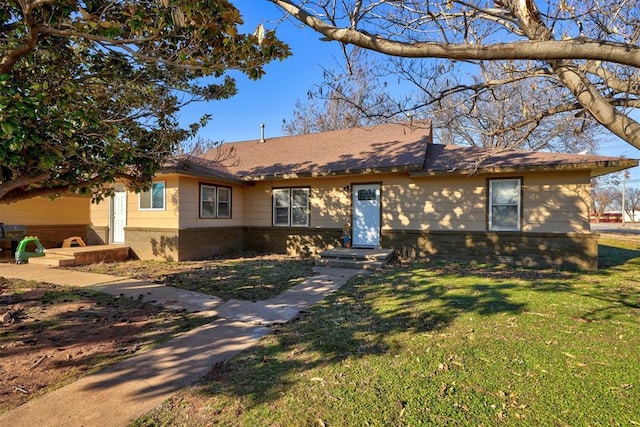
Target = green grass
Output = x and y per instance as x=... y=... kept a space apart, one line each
x=437 y=344
x=243 y=278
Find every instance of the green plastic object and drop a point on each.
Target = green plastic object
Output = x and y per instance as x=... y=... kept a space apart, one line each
x=22 y=256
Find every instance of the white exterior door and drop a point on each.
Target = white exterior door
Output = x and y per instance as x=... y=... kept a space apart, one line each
x=366 y=215
x=118 y=216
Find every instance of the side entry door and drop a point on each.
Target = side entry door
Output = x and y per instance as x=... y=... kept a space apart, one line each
x=118 y=216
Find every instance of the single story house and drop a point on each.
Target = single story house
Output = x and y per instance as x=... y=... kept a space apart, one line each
x=389 y=185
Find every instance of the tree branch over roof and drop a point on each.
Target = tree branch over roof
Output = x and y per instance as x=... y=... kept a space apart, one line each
x=533 y=49
x=589 y=47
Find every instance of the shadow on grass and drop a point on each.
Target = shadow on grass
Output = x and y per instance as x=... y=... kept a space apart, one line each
x=610 y=256
x=609 y=290
x=368 y=316
x=243 y=277
x=379 y=314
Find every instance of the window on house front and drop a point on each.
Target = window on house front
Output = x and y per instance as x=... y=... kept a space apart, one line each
x=224 y=202
x=152 y=199
x=291 y=207
x=504 y=204
x=215 y=202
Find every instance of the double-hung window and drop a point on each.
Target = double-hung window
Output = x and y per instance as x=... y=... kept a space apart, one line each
x=215 y=202
x=505 y=204
x=291 y=207
x=152 y=199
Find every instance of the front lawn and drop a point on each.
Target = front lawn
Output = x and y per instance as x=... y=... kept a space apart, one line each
x=437 y=344
x=243 y=277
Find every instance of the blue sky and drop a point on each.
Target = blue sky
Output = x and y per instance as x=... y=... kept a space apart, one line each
x=272 y=98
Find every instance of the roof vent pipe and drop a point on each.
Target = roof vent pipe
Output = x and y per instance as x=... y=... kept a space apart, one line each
x=261 y=132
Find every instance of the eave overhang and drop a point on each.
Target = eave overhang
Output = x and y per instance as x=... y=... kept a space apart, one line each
x=597 y=168
x=203 y=176
x=329 y=174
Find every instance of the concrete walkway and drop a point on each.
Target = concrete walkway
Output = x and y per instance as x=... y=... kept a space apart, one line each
x=121 y=393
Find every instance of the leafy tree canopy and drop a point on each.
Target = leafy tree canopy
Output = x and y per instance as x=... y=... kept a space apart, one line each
x=586 y=54
x=90 y=91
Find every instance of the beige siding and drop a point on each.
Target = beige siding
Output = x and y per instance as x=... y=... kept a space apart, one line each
x=552 y=202
x=99 y=213
x=434 y=203
x=555 y=202
x=257 y=205
x=190 y=205
x=330 y=205
x=407 y=203
x=43 y=211
x=166 y=218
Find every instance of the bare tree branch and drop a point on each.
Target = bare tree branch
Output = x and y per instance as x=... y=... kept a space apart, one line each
x=543 y=50
x=588 y=50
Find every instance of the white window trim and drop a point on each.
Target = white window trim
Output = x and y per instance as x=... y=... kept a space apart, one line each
x=290 y=206
x=215 y=207
x=150 y=192
x=519 y=205
x=218 y=202
x=273 y=207
x=217 y=189
x=305 y=208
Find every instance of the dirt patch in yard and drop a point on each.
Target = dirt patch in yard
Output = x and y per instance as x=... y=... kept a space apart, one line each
x=51 y=335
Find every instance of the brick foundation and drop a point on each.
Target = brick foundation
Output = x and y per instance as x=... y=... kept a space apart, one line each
x=199 y=243
x=566 y=250
x=152 y=243
x=291 y=241
x=51 y=236
x=184 y=244
x=97 y=235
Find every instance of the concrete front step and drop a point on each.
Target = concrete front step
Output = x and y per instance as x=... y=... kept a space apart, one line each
x=65 y=257
x=345 y=263
x=53 y=260
x=369 y=259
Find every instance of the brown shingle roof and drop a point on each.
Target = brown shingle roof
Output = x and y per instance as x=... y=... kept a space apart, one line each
x=391 y=147
x=465 y=159
x=382 y=148
x=196 y=166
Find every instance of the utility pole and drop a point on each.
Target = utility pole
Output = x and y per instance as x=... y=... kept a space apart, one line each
x=624 y=196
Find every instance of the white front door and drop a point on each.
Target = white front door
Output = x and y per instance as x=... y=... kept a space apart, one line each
x=366 y=215
x=118 y=216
